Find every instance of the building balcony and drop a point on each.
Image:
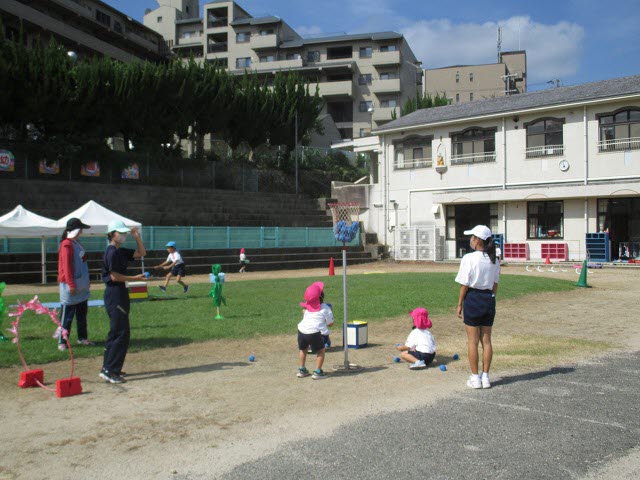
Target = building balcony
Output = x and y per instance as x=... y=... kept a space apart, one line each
x=217 y=47
x=482 y=157
x=386 y=86
x=383 y=114
x=414 y=163
x=217 y=22
x=632 y=143
x=259 y=42
x=278 y=65
x=385 y=58
x=545 y=151
x=333 y=89
x=189 y=41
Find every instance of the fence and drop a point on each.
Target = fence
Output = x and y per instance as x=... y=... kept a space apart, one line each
x=197 y=238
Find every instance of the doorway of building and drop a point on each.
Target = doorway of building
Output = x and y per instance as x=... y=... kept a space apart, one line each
x=466 y=217
x=622 y=217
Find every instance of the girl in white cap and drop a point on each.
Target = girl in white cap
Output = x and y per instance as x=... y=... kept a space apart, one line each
x=478 y=278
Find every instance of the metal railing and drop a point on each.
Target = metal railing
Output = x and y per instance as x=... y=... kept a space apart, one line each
x=632 y=143
x=222 y=22
x=217 y=47
x=544 y=151
x=473 y=158
x=415 y=163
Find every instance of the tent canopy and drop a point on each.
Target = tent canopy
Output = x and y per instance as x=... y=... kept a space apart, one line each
x=97 y=217
x=21 y=223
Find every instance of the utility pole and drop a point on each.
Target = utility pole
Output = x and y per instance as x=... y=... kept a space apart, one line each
x=499 y=43
x=296 y=133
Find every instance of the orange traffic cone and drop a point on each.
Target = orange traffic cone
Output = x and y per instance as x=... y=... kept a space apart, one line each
x=547 y=260
x=332 y=270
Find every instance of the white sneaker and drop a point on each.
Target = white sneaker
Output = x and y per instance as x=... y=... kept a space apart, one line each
x=485 y=381
x=474 y=382
x=418 y=365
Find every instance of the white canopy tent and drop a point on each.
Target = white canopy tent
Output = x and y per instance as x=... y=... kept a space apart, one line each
x=21 y=223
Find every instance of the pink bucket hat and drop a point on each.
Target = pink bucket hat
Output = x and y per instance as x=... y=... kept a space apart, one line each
x=312 y=297
x=421 y=318
x=242 y=250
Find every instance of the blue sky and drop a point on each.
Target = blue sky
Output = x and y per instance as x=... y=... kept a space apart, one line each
x=576 y=41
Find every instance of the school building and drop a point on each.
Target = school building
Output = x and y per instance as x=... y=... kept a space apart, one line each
x=555 y=172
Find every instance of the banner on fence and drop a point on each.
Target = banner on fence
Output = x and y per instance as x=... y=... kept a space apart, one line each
x=90 y=169
x=7 y=161
x=48 y=167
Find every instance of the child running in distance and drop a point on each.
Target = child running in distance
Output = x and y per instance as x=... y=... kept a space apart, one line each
x=175 y=264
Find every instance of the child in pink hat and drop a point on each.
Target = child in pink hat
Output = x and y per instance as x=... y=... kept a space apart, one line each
x=243 y=261
x=420 y=348
x=317 y=317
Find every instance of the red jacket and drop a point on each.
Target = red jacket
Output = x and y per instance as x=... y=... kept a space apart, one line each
x=65 y=263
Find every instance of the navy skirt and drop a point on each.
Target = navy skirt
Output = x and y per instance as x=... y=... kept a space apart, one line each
x=479 y=308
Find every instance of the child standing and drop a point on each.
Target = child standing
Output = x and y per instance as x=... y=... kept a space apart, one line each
x=420 y=348
x=243 y=261
x=316 y=318
x=175 y=264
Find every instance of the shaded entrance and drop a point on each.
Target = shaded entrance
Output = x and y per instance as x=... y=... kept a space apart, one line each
x=465 y=218
x=622 y=217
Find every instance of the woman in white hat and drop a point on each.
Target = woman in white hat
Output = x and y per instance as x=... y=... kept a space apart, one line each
x=116 y=297
x=478 y=278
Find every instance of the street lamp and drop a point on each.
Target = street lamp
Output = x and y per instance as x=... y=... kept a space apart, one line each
x=370 y=110
x=73 y=56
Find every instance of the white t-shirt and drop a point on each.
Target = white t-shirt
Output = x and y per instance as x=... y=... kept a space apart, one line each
x=421 y=340
x=320 y=321
x=477 y=271
x=243 y=257
x=175 y=257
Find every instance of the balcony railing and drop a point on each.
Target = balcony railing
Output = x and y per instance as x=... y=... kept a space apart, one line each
x=415 y=163
x=219 y=22
x=544 y=151
x=473 y=158
x=632 y=143
x=217 y=47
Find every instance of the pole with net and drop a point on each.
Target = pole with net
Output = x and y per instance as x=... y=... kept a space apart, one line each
x=345 y=228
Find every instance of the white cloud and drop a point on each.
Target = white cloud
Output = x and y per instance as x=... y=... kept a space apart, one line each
x=553 y=50
x=310 y=30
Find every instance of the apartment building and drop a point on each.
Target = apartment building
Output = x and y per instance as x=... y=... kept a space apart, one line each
x=88 y=27
x=466 y=83
x=363 y=78
x=546 y=169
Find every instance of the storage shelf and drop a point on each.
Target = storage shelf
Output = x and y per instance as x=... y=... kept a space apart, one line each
x=555 y=251
x=516 y=251
x=598 y=247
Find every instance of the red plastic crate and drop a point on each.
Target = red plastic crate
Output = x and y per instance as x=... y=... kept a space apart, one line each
x=555 y=251
x=516 y=251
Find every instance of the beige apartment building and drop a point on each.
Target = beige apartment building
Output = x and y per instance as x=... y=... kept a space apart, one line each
x=363 y=78
x=88 y=27
x=466 y=83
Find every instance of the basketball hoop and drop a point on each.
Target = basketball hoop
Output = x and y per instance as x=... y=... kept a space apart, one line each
x=346 y=225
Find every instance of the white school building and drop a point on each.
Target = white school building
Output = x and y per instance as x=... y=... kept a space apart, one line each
x=555 y=172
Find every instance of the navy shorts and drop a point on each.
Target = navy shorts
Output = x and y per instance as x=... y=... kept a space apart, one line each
x=479 y=308
x=427 y=358
x=313 y=340
x=179 y=270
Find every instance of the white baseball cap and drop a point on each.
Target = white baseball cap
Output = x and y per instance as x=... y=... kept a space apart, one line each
x=480 y=231
x=117 y=226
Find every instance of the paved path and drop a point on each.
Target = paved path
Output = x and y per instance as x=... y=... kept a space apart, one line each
x=554 y=424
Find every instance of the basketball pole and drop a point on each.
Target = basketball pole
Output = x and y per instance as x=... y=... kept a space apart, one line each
x=344 y=296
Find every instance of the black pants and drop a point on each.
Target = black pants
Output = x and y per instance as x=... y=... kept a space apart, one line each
x=116 y=301
x=80 y=312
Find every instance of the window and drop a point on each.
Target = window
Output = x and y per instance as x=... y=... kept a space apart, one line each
x=366 y=52
x=365 y=106
x=471 y=76
x=457 y=77
x=105 y=19
x=389 y=48
x=389 y=76
x=365 y=132
x=313 y=56
x=117 y=26
x=268 y=58
x=413 y=152
x=187 y=8
x=544 y=137
x=457 y=97
x=451 y=222
x=243 y=62
x=389 y=103
x=620 y=130
x=364 y=79
x=293 y=56
x=266 y=31
x=474 y=145
x=243 y=37
x=545 y=219
x=471 y=97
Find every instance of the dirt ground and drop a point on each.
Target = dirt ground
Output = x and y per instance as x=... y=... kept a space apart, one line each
x=198 y=410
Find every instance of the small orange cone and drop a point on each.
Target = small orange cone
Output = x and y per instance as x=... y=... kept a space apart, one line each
x=332 y=270
x=547 y=261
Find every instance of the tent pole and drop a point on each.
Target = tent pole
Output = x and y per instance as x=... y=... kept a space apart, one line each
x=43 y=249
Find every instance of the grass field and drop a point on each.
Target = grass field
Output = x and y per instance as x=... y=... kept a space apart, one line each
x=255 y=308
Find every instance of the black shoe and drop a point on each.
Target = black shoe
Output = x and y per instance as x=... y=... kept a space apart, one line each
x=111 y=377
